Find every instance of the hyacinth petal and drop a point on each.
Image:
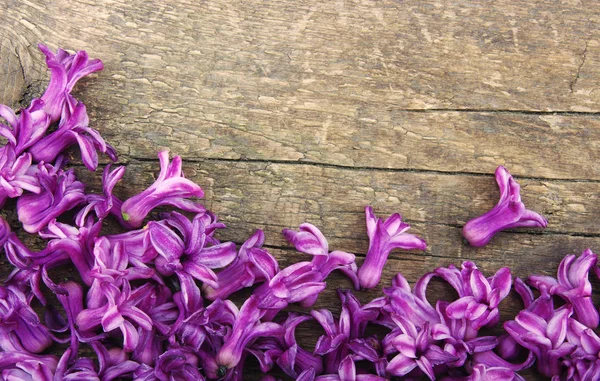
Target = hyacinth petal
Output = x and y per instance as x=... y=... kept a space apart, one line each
x=216 y=256
x=165 y=240
x=532 y=323
x=170 y=188
x=307 y=375
x=347 y=369
x=401 y=365
x=112 y=319
x=308 y=239
x=557 y=326
x=509 y=212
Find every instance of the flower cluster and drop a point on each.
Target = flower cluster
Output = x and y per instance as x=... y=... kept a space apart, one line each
x=152 y=300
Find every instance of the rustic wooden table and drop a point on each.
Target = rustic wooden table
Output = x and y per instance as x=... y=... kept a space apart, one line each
x=292 y=111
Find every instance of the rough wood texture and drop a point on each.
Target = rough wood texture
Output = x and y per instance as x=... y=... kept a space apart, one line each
x=292 y=111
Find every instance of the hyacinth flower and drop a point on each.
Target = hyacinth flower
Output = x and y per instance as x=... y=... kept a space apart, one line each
x=111 y=266
x=15 y=175
x=73 y=128
x=174 y=364
x=479 y=296
x=65 y=70
x=77 y=243
x=309 y=240
x=174 y=259
x=21 y=329
x=412 y=305
x=200 y=326
x=346 y=335
x=246 y=329
x=170 y=188
x=252 y=265
x=345 y=372
x=482 y=372
x=509 y=212
x=106 y=203
x=23 y=366
x=121 y=304
x=544 y=336
x=584 y=362
x=413 y=348
x=384 y=236
x=60 y=192
x=25 y=129
x=573 y=286
x=295 y=359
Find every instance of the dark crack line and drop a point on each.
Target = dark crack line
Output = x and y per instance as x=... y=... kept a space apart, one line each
x=363 y=168
x=574 y=81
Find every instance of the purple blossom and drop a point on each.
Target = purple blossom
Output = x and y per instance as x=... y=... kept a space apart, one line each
x=544 y=336
x=65 y=70
x=25 y=129
x=245 y=330
x=60 y=191
x=20 y=327
x=508 y=213
x=414 y=347
x=573 y=286
x=295 y=359
x=252 y=265
x=174 y=364
x=16 y=175
x=106 y=203
x=170 y=188
x=309 y=240
x=584 y=362
x=479 y=296
x=121 y=304
x=481 y=372
x=26 y=367
x=73 y=128
x=384 y=236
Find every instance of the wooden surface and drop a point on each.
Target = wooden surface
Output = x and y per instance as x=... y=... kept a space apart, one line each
x=294 y=111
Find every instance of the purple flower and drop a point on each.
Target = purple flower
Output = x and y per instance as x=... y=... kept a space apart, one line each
x=26 y=129
x=26 y=367
x=509 y=213
x=544 y=336
x=584 y=361
x=414 y=348
x=60 y=192
x=573 y=286
x=246 y=329
x=65 y=70
x=104 y=204
x=310 y=240
x=121 y=304
x=170 y=188
x=252 y=265
x=78 y=244
x=346 y=372
x=20 y=327
x=482 y=372
x=174 y=364
x=384 y=236
x=295 y=359
x=479 y=296
x=73 y=128
x=16 y=175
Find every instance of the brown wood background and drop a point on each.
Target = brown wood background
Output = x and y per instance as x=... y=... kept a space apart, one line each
x=290 y=111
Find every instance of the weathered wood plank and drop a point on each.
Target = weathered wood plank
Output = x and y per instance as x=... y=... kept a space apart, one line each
x=311 y=55
x=285 y=195
x=328 y=82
